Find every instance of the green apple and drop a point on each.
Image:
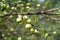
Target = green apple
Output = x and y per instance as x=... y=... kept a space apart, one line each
x=19 y=38
x=54 y=32
x=28 y=4
x=12 y=8
x=10 y=16
x=20 y=16
x=7 y=6
x=3 y=0
x=27 y=7
x=19 y=19
x=38 y=5
x=31 y=30
x=36 y=31
x=11 y=29
x=18 y=5
x=5 y=12
x=25 y=17
x=3 y=35
x=29 y=21
x=46 y=34
x=28 y=26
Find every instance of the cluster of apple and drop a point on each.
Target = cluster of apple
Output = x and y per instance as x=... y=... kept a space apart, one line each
x=29 y=23
x=47 y=34
x=29 y=26
x=28 y=6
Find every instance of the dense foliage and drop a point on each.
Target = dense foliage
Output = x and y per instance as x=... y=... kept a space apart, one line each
x=14 y=26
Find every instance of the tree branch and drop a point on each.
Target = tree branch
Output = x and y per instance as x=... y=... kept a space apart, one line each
x=33 y=13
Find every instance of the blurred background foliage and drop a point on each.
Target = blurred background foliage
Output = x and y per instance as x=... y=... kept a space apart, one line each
x=29 y=27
